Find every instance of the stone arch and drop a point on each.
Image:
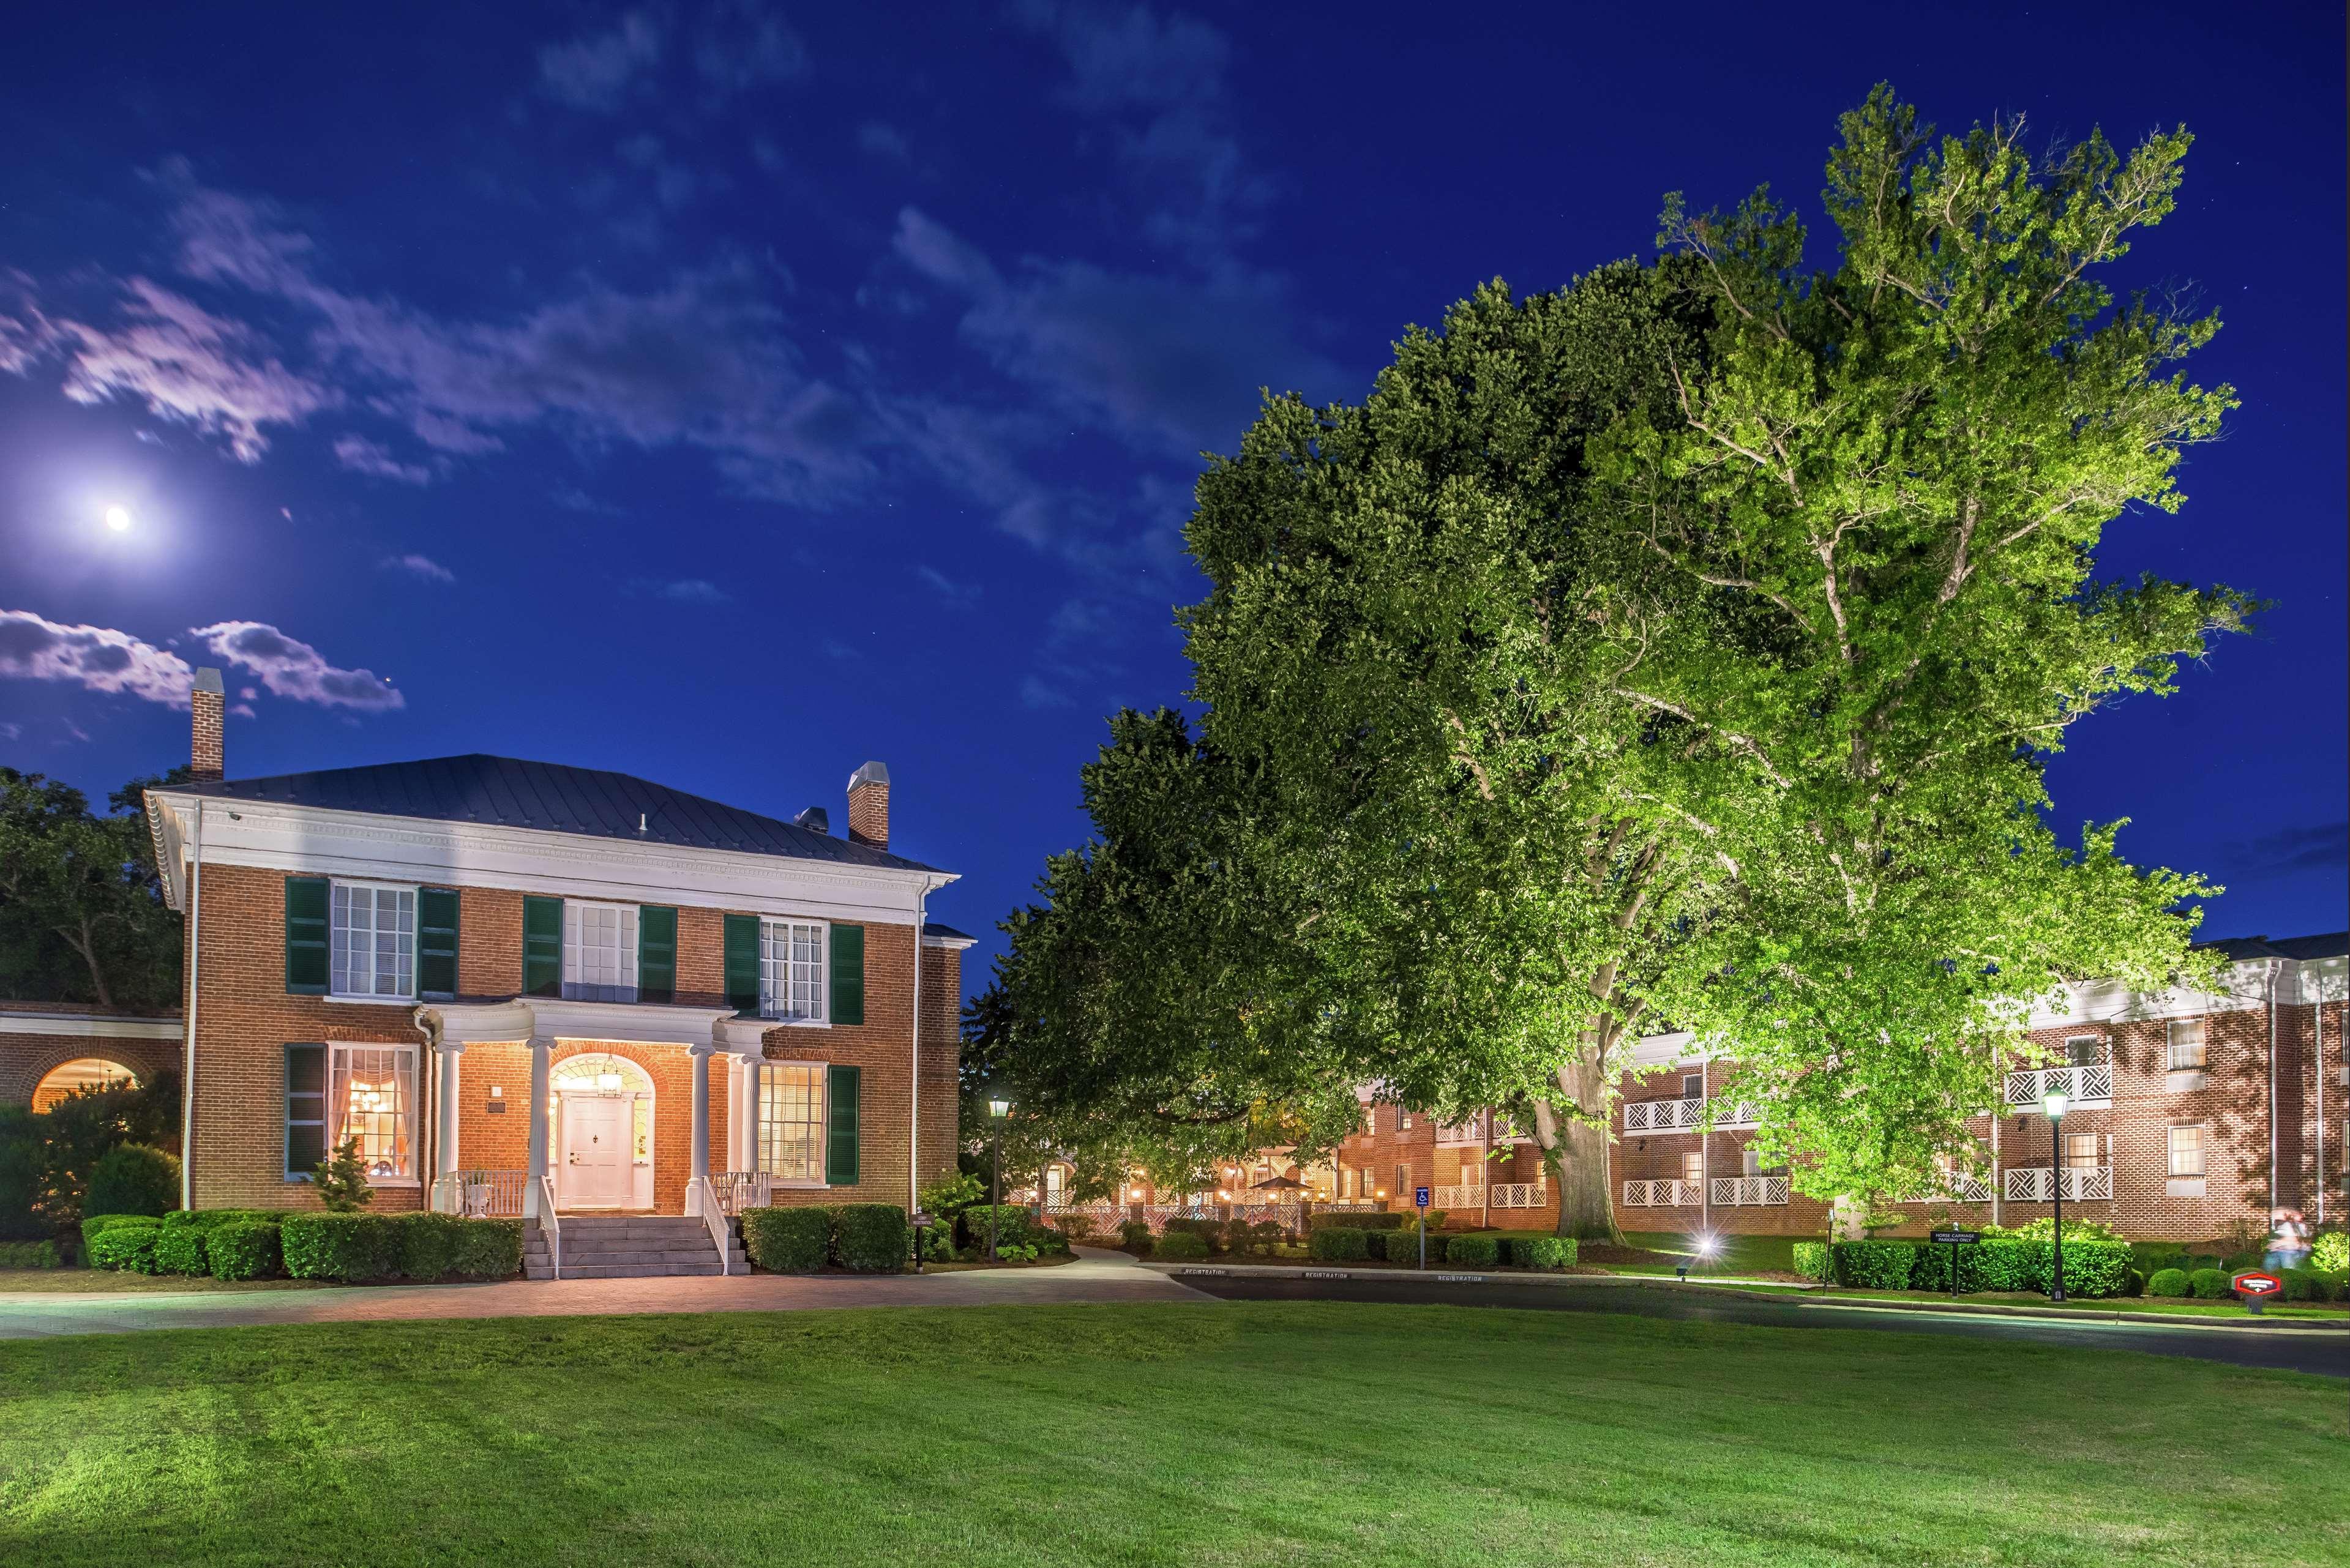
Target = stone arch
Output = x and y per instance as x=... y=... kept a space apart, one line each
x=26 y=1059
x=79 y=1073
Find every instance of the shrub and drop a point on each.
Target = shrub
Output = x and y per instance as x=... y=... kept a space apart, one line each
x=1358 y=1220
x=872 y=1238
x=427 y=1244
x=2045 y=1229
x=1533 y=1250
x=179 y=1249
x=489 y=1249
x=1182 y=1246
x=1074 y=1227
x=2307 y=1285
x=246 y=1250
x=1338 y=1245
x=788 y=1240
x=1811 y=1260
x=1013 y=1252
x=1263 y=1236
x=340 y=1180
x=1136 y=1237
x=133 y=1179
x=2330 y=1253
x=340 y=1246
x=1014 y=1227
x=1875 y=1265
x=2170 y=1282
x=2209 y=1285
x=1210 y=1231
x=1477 y=1249
x=28 y=1254
x=2094 y=1269
x=127 y=1248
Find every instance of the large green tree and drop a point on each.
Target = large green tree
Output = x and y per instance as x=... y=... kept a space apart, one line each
x=82 y=917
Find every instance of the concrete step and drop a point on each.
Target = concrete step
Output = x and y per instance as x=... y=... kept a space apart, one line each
x=639 y=1271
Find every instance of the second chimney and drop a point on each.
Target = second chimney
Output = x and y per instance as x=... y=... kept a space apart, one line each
x=207 y=705
x=869 y=805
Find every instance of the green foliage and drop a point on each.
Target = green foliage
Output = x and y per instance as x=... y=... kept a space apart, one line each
x=2211 y=1284
x=339 y=1246
x=2308 y=1286
x=128 y=1246
x=1014 y=1252
x=1358 y=1219
x=949 y=1196
x=1264 y=1235
x=22 y=1163
x=2045 y=1229
x=46 y=1160
x=1811 y=1260
x=788 y=1240
x=179 y=1249
x=1338 y=1244
x=340 y=1180
x=82 y=917
x=1182 y=1246
x=2168 y=1283
x=134 y=1178
x=1476 y=1249
x=429 y=1245
x=246 y=1250
x=1011 y=1223
x=1537 y=1250
x=95 y=1224
x=1210 y=1231
x=1875 y=1265
x=872 y=1238
x=1136 y=1236
x=2330 y=1252
x=28 y=1254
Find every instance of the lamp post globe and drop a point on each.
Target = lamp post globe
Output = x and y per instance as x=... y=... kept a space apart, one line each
x=2052 y=1102
x=997 y=1110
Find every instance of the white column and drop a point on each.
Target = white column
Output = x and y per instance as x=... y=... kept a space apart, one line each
x=700 y=1174
x=540 y=1071
x=743 y=1113
x=449 y=1056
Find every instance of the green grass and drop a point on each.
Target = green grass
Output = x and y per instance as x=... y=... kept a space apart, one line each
x=1731 y=1254
x=1293 y=1434
x=2089 y=1306
x=108 y=1282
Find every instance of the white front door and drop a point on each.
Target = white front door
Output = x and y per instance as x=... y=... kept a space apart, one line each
x=598 y=1171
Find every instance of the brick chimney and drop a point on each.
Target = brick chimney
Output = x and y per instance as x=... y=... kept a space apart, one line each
x=207 y=710
x=869 y=805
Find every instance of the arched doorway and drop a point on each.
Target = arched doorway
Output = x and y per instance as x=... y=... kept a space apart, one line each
x=68 y=1078
x=603 y=1143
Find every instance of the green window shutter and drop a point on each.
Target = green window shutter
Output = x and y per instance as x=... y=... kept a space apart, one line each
x=305 y=936
x=305 y=1109
x=436 y=942
x=848 y=974
x=656 y=953
x=542 y=947
x=840 y=1126
x=742 y=965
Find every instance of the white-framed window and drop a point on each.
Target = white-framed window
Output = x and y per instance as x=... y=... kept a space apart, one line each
x=1692 y=1085
x=791 y=1120
x=371 y=940
x=792 y=970
x=2187 y=1150
x=2080 y=1151
x=2085 y=1050
x=599 y=952
x=2185 y=1045
x=1403 y=1119
x=371 y=1097
x=1692 y=1165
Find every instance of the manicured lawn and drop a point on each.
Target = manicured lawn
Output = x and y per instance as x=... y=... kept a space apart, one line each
x=108 y=1282
x=2099 y=1306
x=1730 y=1254
x=1289 y=1434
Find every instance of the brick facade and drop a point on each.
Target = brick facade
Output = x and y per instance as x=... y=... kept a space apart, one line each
x=36 y=1038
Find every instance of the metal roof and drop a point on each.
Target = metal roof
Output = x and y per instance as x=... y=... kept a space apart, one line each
x=550 y=798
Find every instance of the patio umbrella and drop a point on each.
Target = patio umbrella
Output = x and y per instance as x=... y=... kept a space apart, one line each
x=1288 y=1181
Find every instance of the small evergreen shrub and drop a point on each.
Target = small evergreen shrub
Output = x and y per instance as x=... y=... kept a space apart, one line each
x=1338 y=1245
x=28 y=1254
x=1264 y=1235
x=1014 y=1226
x=2170 y=1282
x=873 y=1238
x=126 y=1247
x=343 y=1247
x=1811 y=1260
x=1359 y=1220
x=246 y=1250
x=489 y=1249
x=132 y=1178
x=96 y=1223
x=1875 y=1265
x=792 y=1240
x=1136 y=1237
x=2211 y=1284
x=427 y=1244
x=1182 y=1246
x=179 y=1249
x=2095 y=1269
x=2306 y=1285
x=1476 y=1250
x=1533 y=1250
x=1210 y=1231
x=2330 y=1253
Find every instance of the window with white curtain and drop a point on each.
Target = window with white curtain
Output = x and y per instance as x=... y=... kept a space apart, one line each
x=2185 y=1045
x=791 y=970
x=791 y=1120
x=372 y=1097
x=2187 y=1150
x=372 y=940
x=599 y=952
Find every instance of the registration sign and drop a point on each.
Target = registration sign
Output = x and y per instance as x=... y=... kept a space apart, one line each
x=2254 y=1283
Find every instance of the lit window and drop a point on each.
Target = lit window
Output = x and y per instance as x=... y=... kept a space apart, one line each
x=373 y=940
x=2186 y=1045
x=599 y=952
x=791 y=970
x=373 y=1099
x=791 y=1120
x=2187 y=1150
x=1692 y=1165
x=2081 y=1151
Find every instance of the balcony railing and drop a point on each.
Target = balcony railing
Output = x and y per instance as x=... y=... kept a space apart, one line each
x=1662 y=1194
x=1663 y=1115
x=1743 y=1191
x=738 y=1189
x=480 y=1194
x=1466 y=1132
x=2091 y=1086
x=1959 y=1189
x=1499 y=1195
x=2082 y=1183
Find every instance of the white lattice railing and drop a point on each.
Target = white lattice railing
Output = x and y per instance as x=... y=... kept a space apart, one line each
x=1959 y=1190
x=1733 y=1113
x=480 y=1194
x=1457 y=1197
x=1744 y=1191
x=741 y=1190
x=2082 y=1183
x=1466 y=1132
x=1662 y=1116
x=2089 y=1085
x=1661 y=1194
x=1499 y=1195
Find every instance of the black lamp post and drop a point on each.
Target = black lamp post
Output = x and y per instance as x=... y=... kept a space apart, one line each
x=996 y=1111
x=2052 y=1102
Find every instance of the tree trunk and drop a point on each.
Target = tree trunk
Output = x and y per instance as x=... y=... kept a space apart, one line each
x=1578 y=1154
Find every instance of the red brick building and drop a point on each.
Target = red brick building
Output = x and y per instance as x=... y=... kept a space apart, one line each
x=2188 y=1114
x=528 y=988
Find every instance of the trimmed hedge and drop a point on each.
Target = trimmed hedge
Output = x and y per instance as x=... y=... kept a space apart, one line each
x=94 y=1224
x=443 y=1246
x=1533 y=1250
x=246 y=1250
x=1875 y=1265
x=1811 y=1260
x=128 y=1247
x=2211 y=1284
x=1478 y=1251
x=2308 y=1286
x=874 y=1239
x=1358 y=1219
x=1339 y=1246
x=1210 y=1231
x=133 y=1179
x=28 y=1254
x=2170 y=1282
x=1136 y=1237
x=1182 y=1246
x=788 y=1240
x=343 y=1247
x=2094 y=1269
x=179 y=1249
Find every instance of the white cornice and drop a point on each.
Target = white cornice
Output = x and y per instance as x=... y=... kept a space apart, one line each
x=561 y=1018
x=272 y=835
x=91 y=1026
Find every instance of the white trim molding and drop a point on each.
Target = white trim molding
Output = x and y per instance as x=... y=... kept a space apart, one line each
x=91 y=1027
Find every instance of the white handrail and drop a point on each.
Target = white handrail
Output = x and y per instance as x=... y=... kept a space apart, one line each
x=551 y=1225
x=713 y=1219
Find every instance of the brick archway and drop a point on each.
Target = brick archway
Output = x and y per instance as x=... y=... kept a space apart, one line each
x=26 y=1059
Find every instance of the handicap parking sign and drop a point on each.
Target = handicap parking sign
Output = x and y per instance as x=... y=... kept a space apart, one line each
x=1419 y=1198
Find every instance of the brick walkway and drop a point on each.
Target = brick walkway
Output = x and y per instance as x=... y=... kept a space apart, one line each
x=1097 y=1276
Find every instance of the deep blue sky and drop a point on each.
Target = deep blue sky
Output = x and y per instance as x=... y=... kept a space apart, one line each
x=729 y=395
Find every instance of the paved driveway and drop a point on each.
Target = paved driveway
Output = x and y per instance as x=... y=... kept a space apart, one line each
x=1096 y=1276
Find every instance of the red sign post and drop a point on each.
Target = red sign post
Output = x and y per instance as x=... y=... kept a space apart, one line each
x=2255 y=1287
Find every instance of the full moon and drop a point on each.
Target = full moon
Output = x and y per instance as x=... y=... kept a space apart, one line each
x=118 y=518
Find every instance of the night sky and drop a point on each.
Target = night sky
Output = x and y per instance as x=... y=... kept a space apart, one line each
x=729 y=395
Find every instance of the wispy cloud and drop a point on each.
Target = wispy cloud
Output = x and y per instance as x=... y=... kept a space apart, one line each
x=883 y=140
x=597 y=70
x=946 y=587
x=680 y=591
x=1035 y=693
x=733 y=47
x=291 y=669
x=425 y=567
x=96 y=657
x=361 y=455
x=2305 y=847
